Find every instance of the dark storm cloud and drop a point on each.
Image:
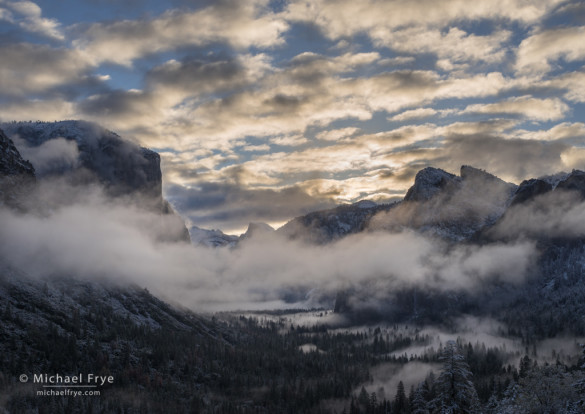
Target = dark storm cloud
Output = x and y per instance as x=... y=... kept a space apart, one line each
x=43 y=70
x=196 y=75
x=284 y=102
x=118 y=104
x=211 y=203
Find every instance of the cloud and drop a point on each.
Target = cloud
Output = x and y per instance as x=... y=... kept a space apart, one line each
x=564 y=130
x=396 y=90
x=40 y=69
x=337 y=134
x=256 y=148
x=538 y=52
x=339 y=19
x=232 y=206
x=574 y=158
x=309 y=66
x=28 y=16
x=454 y=45
x=573 y=83
x=554 y=214
x=72 y=233
x=198 y=77
x=240 y=24
x=413 y=114
x=123 y=108
x=548 y=109
x=496 y=126
x=386 y=377
x=36 y=109
x=511 y=159
x=51 y=157
x=217 y=85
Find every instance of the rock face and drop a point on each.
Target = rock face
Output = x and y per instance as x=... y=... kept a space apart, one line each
x=476 y=210
x=529 y=189
x=11 y=162
x=448 y=206
x=429 y=182
x=574 y=182
x=122 y=166
x=16 y=174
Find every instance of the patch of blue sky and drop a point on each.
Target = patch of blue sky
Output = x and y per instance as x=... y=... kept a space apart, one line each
x=70 y=12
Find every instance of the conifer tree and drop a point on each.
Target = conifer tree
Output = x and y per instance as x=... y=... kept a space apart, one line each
x=456 y=393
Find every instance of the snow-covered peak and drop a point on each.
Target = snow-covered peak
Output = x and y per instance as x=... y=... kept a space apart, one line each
x=35 y=133
x=430 y=181
x=211 y=238
x=257 y=228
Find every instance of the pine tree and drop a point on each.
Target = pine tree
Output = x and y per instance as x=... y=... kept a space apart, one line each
x=525 y=366
x=400 y=399
x=419 y=402
x=456 y=393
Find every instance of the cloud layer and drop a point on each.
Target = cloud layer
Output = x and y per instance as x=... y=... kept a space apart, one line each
x=70 y=231
x=306 y=103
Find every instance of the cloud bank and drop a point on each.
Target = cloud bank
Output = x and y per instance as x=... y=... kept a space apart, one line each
x=342 y=101
x=84 y=234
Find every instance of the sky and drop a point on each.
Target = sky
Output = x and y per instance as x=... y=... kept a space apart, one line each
x=266 y=110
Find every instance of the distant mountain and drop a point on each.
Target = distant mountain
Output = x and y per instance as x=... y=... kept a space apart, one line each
x=329 y=225
x=451 y=207
x=217 y=238
x=211 y=238
x=438 y=203
x=477 y=209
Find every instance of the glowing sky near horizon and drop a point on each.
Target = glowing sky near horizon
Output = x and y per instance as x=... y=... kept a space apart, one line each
x=265 y=110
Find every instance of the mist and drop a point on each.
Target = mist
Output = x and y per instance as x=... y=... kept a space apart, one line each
x=50 y=157
x=81 y=232
x=554 y=214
